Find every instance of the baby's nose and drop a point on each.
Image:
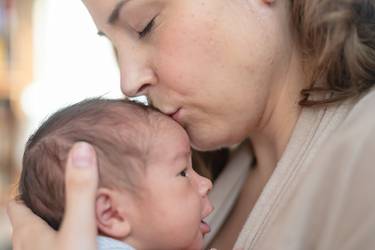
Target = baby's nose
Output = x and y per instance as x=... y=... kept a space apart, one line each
x=205 y=185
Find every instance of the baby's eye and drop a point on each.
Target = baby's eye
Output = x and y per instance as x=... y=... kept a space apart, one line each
x=184 y=173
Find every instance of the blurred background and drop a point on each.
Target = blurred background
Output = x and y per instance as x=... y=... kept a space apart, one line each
x=50 y=56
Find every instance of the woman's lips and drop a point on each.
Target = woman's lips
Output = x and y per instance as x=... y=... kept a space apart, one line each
x=175 y=116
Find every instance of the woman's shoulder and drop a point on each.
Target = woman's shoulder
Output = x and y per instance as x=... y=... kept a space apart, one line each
x=341 y=181
x=333 y=196
x=351 y=147
x=362 y=111
x=359 y=126
x=355 y=137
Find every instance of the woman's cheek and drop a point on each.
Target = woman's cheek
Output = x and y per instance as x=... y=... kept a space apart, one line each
x=185 y=57
x=176 y=60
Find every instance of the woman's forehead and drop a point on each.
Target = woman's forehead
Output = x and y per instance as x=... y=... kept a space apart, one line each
x=109 y=7
x=107 y=12
x=101 y=10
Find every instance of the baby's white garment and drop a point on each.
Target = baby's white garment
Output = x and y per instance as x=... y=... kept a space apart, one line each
x=106 y=243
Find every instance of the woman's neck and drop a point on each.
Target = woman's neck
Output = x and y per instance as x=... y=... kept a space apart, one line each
x=280 y=117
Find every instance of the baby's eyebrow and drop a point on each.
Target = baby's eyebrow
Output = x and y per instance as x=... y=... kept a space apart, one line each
x=185 y=155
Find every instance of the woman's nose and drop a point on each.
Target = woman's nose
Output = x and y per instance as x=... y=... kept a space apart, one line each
x=135 y=82
x=136 y=74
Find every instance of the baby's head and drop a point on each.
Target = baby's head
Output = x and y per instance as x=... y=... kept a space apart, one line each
x=149 y=196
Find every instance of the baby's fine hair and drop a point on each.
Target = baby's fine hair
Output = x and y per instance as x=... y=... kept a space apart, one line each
x=120 y=132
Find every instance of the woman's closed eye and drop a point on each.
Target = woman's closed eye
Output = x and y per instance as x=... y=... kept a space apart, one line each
x=147 y=29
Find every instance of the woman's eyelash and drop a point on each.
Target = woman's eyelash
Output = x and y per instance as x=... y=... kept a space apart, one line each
x=147 y=29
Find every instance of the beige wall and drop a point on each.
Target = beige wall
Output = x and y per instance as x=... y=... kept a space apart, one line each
x=13 y=78
x=19 y=73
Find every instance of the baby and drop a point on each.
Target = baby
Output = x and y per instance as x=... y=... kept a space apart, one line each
x=149 y=196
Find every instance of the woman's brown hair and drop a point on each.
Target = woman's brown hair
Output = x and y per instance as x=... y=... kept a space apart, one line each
x=337 y=38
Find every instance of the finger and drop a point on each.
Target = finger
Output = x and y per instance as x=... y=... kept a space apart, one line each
x=81 y=181
x=20 y=215
x=17 y=212
x=25 y=224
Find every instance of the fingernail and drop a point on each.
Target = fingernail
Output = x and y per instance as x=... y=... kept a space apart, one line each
x=82 y=155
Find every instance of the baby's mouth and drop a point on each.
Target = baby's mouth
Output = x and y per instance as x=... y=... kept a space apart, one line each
x=204 y=227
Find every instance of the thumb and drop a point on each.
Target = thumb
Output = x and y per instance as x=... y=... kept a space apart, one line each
x=81 y=182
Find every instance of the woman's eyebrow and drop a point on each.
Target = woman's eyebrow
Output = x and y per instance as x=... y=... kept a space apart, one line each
x=113 y=17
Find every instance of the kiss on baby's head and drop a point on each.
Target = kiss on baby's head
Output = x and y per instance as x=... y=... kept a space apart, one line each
x=146 y=180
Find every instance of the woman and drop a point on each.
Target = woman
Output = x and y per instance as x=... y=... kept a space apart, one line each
x=231 y=70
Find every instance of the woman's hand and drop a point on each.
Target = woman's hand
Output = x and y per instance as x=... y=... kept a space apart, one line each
x=78 y=230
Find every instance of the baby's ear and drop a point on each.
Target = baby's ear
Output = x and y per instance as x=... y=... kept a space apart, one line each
x=112 y=220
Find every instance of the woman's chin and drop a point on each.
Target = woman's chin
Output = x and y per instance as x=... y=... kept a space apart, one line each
x=203 y=145
x=209 y=137
x=209 y=141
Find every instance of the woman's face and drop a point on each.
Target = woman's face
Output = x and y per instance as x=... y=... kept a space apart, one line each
x=215 y=66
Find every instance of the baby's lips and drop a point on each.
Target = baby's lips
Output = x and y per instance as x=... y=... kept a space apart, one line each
x=205 y=228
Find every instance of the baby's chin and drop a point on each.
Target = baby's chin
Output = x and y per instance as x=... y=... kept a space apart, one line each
x=197 y=244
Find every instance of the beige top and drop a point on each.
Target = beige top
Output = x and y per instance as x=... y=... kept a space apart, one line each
x=227 y=187
x=321 y=194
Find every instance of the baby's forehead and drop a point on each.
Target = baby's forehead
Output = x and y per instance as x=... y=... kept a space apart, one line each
x=168 y=128
x=168 y=134
x=153 y=131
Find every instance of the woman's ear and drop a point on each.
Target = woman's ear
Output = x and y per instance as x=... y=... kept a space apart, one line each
x=112 y=220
